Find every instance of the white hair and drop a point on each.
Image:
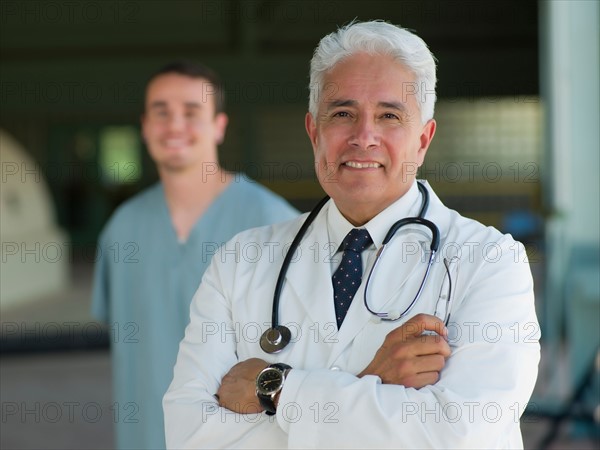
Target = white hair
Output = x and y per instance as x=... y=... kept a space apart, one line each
x=381 y=38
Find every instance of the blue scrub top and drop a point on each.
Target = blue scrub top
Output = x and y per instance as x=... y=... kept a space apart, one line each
x=144 y=282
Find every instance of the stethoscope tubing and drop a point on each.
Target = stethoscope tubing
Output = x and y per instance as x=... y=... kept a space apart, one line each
x=277 y=337
x=288 y=258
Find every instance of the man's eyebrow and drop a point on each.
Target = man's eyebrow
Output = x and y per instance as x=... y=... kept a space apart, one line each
x=399 y=106
x=194 y=105
x=337 y=103
x=393 y=105
x=163 y=104
x=158 y=104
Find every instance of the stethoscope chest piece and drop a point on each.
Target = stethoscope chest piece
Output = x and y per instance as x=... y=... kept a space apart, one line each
x=275 y=339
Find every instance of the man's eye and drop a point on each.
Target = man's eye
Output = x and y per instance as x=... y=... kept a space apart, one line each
x=341 y=114
x=390 y=116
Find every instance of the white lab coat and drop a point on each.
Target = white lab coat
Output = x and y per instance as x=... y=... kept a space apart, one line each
x=482 y=391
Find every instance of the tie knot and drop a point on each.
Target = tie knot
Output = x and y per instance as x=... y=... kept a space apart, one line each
x=356 y=240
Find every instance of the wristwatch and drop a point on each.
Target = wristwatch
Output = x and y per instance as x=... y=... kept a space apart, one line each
x=268 y=383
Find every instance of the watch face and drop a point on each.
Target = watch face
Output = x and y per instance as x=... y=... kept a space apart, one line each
x=269 y=381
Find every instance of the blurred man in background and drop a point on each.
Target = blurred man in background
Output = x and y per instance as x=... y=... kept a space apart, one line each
x=155 y=247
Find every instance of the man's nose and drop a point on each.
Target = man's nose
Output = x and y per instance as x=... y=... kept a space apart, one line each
x=176 y=122
x=365 y=134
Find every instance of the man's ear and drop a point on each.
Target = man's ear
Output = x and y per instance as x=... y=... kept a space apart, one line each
x=311 y=129
x=143 y=126
x=425 y=139
x=221 y=121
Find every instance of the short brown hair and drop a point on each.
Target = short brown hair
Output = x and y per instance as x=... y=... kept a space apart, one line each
x=195 y=70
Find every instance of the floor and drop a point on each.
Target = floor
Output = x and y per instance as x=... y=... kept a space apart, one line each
x=60 y=398
x=57 y=401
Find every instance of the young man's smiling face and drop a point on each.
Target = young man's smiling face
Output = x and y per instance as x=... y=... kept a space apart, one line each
x=179 y=125
x=368 y=138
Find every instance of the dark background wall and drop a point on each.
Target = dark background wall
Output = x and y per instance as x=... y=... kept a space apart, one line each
x=69 y=69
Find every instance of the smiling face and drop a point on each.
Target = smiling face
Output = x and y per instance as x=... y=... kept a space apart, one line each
x=179 y=125
x=367 y=138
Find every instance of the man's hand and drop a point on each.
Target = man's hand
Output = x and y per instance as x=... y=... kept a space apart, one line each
x=409 y=358
x=238 y=387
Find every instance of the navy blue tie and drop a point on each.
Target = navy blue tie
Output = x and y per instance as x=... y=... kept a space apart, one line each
x=348 y=275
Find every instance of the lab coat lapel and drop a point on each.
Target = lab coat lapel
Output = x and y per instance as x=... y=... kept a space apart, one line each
x=407 y=258
x=309 y=274
x=404 y=258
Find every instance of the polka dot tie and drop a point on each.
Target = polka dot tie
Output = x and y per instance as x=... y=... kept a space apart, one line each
x=348 y=276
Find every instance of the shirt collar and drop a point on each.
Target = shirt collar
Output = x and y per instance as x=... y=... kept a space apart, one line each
x=338 y=226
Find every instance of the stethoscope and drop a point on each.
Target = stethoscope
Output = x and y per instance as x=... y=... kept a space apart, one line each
x=278 y=336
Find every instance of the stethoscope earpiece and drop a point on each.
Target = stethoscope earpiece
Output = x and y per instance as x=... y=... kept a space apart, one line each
x=275 y=339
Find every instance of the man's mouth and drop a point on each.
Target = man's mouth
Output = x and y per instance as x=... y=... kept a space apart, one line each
x=362 y=165
x=175 y=143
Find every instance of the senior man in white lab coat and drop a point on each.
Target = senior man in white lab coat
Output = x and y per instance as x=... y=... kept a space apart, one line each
x=454 y=370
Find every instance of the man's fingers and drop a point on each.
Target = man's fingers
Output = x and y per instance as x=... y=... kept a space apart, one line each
x=416 y=372
x=418 y=346
x=418 y=365
x=430 y=363
x=418 y=324
x=422 y=379
x=430 y=345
